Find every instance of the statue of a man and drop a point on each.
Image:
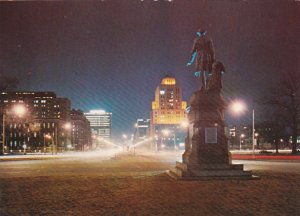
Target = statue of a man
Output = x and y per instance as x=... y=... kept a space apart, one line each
x=203 y=52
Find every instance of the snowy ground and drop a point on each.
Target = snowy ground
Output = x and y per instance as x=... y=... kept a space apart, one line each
x=102 y=184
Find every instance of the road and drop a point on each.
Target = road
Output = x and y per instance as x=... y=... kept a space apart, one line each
x=52 y=165
x=90 y=163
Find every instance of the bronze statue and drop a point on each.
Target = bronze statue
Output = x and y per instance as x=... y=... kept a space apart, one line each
x=203 y=49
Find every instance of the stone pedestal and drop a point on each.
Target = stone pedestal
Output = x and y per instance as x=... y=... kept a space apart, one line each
x=206 y=153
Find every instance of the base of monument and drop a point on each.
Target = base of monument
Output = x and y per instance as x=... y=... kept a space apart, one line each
x=184 y=171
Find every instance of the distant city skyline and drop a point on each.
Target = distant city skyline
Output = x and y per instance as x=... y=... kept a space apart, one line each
x=111 y=55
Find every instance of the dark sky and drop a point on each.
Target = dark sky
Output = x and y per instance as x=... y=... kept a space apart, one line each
x=112 y=54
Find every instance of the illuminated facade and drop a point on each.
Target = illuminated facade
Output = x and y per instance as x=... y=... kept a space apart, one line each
x=168 y=112
x=100 y=123
x=45 y=115
x=142 y=129
x=168 y=107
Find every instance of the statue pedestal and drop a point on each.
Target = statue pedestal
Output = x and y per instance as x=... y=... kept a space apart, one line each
x=206 y=153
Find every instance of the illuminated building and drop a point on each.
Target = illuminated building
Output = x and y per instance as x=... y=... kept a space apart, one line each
x=81 y=131
x=168 y=107
x=142 y=129
x=168 y=111
x=45 y=115
x=100 y=123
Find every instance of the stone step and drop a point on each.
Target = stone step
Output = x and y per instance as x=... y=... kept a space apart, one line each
x=185 y=167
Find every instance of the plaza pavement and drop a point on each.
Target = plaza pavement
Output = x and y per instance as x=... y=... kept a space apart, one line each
x=137 y=185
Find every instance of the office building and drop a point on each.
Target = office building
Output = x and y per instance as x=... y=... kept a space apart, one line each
x=81 y=131
x=42 y=127
x=100 y=123
x=168 y=114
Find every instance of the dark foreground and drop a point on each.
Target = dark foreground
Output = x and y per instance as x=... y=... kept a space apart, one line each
x=137 y=185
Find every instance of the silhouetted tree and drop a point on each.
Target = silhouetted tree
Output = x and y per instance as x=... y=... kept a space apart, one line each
x=285 y=98
x=8 y=83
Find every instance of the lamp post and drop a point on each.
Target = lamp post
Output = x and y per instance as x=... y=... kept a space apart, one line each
x=239 y=107
x=19 y=110
x=46 y=136
x=167 y=132
x=3 y=133
x=67 y=127
x=24 y=147
x=241 y=136
x=55 y=134
x=253 y=133
x=124 y=136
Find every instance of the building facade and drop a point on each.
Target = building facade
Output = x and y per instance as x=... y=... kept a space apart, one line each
x=168 y=114
x=100 y=123
x=142 y=129
x=81 y=131
x=41 y=128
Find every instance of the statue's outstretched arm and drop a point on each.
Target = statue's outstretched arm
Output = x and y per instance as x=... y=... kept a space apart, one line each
x=192 y=59
x=194 y=53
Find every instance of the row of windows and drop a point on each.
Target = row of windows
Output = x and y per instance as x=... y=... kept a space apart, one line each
x=20 y=134
x=44 y=125
x=13 y=101
x=167 y=112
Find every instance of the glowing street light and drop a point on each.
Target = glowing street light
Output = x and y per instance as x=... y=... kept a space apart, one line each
x=46 y=136
x=67 y=126
x=238 y=107
x=184 y=124
x=18 y=110
x=241 y=137
x=24 y=147
x=166 y=132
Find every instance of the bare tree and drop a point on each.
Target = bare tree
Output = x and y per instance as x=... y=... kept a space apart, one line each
x=286 y=97
x=8 y=83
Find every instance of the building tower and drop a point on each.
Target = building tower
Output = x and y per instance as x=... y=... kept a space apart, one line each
x=168 y=112
x=100 y=122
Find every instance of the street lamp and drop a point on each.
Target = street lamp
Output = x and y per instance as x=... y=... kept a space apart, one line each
x=67 y=126
x=241 y=136
x=184 y=124
x=238 y=107
x=46 y=136
x=18 y=110
x=156 y=140
x=167 y=132
x=124 y=136
x=24 y=147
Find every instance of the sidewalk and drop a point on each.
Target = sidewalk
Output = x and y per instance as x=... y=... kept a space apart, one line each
x=264 y=157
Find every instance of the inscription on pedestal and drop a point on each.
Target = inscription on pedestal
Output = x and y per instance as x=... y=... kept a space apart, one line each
x=211 y=135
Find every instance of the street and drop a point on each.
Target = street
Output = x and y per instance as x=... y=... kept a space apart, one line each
x=90 y=163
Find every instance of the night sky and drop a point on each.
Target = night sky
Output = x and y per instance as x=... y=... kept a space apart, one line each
x=112 y=54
